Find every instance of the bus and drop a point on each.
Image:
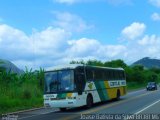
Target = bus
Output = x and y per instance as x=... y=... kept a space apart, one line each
x=78 y=85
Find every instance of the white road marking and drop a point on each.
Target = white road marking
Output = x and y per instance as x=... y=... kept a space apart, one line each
x=147 y=107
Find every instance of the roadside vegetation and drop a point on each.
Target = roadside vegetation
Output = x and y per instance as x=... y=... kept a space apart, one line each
x=18 y=92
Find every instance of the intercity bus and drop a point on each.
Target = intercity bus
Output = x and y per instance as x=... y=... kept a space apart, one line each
x=78 y=85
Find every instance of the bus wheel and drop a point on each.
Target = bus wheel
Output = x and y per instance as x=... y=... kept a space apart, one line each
x=63 y=109
x=89 y=101
x=118 y=95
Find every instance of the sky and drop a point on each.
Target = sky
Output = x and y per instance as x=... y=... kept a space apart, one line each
x=45 y=33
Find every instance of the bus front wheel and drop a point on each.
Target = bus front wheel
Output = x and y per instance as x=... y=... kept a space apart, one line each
x=89 y=101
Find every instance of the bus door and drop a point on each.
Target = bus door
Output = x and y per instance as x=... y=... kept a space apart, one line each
x=80 y=79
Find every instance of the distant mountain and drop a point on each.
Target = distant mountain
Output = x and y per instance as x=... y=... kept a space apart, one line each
x=8 y=66
x=148 y=62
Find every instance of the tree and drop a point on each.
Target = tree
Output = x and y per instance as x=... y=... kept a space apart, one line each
x=138 y=67
x=155 y=70
x=115 y=63
x=152 y=77
x=77 y=62
x=94 y=63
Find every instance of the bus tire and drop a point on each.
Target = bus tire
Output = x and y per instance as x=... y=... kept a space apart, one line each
x=63 y=109
x=89 y=101
x=118 y=95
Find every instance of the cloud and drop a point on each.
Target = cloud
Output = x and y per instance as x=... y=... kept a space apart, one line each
x=120 y=2
x=149 y=40
x=41 y=48
x=85 y=47
x=67 y=1
x=139 y=45
x=56 y=44
x=15 y=45
x=133 y=31
x=155 y=17
x=114 y=51
x=150 y=45
x=147 y=45
x=155 y=2
x=11 y=37
x=36 y=43
x=112 y=2
x=71 y=2
x=70 y=22
x=51 y=39
x=51 y=46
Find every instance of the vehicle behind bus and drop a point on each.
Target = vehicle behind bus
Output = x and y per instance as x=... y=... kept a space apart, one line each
x=79 y=85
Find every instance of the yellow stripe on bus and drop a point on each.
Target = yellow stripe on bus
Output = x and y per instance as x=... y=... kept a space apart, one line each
x=112 y=93
x=106 y=84
x=69 y=94
x=122 y=90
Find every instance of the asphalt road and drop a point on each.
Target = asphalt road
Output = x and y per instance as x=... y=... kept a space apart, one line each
x=141 y=102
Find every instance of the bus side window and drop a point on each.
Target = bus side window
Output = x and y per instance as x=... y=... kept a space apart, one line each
x=98 y=74
x=106 y=75
x=123 y=75
x=114 y=75
x=89 y=74
x=119 y=75
x=103 y=75
x=111 y=74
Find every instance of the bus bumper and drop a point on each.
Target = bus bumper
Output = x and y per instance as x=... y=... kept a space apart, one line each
x=61 y=104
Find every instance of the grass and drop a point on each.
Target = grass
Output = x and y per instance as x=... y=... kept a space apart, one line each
x=20 y=92
x=13 y=105
x=134 y=86
x=24 y=99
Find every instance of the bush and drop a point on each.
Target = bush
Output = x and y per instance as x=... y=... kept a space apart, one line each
x=26 y=94
x=20 y=92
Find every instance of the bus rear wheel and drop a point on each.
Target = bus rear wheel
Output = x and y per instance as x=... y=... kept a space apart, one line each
x=89 y=101
x=63 y=109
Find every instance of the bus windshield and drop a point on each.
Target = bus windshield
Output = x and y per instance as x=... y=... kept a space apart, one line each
x=58 y=81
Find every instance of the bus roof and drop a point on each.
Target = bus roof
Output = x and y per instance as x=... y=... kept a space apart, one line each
x=73 y=66
x=60 y=67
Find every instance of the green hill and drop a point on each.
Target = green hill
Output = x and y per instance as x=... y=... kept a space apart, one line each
x=10 y=67
x=148 y=62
